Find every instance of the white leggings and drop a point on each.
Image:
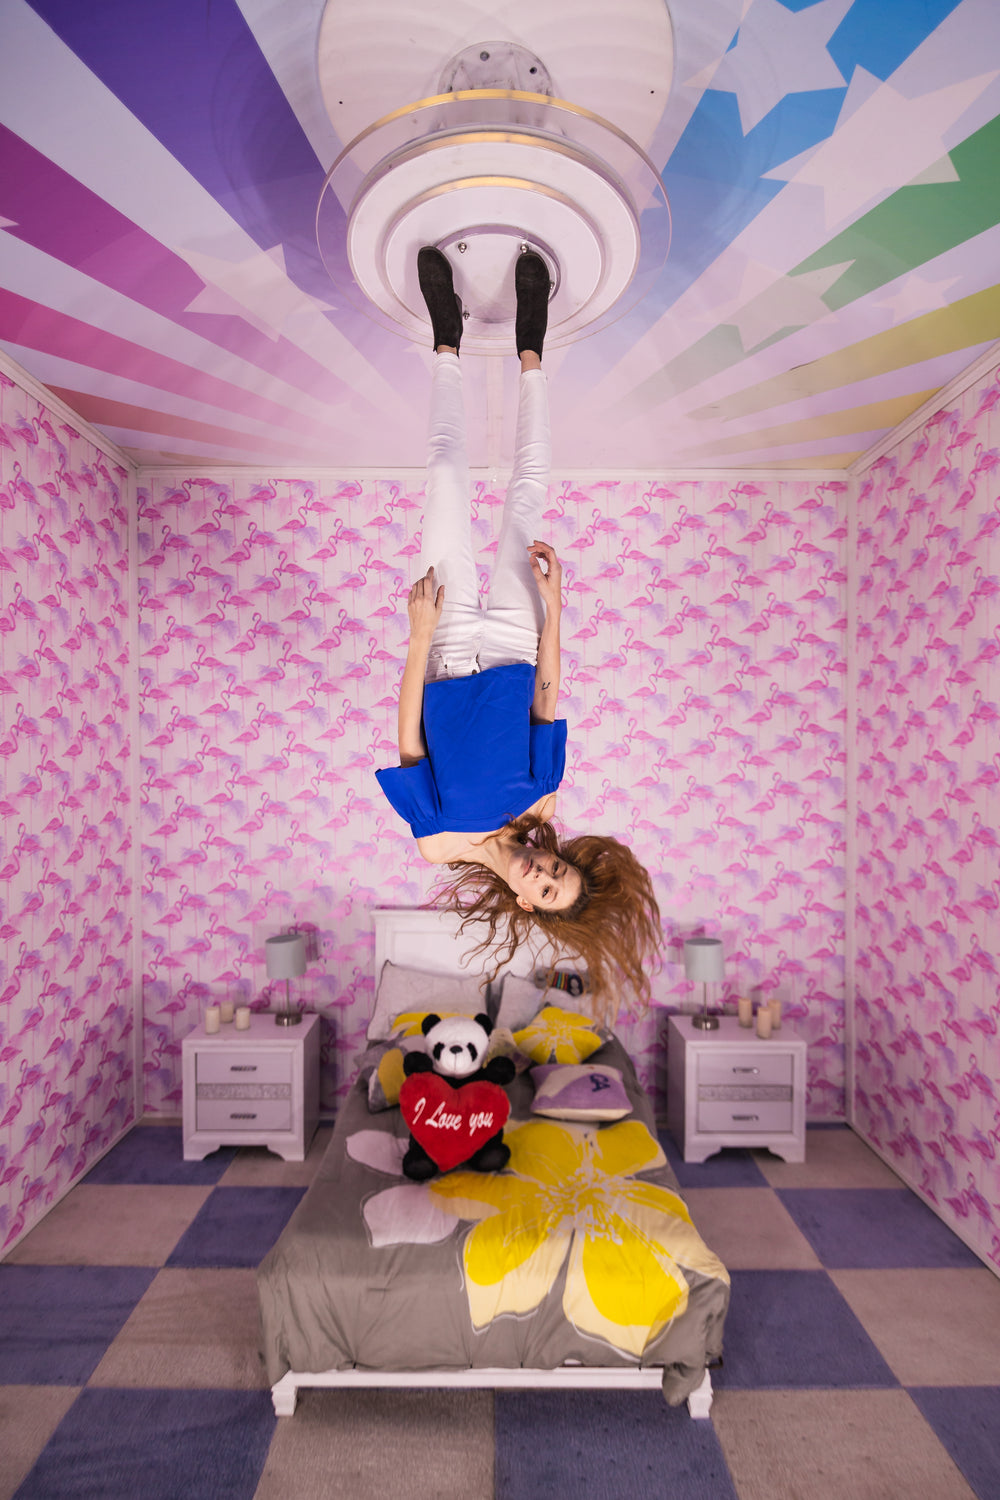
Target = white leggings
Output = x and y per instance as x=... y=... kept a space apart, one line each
x=469 y=638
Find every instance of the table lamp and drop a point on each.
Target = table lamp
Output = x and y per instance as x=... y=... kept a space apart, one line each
x=286 y=959
x=704 y=962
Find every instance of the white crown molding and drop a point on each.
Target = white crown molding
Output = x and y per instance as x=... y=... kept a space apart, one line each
x=146 y=472
x=950 y=392
x=61 y=409
x=759 y=473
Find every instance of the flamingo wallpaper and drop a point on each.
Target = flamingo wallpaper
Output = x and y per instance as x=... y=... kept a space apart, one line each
x=703 y=670
x=66 y=807
x=928 y=867
x=706 y=679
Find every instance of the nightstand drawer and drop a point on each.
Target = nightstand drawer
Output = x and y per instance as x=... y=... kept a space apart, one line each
x=755 y=1065
x=750 y=1115
x=243 y=1066
x=244 y=1114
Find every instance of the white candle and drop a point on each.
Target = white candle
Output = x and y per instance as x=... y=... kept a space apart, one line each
x=764 y=1022
x=212 y=1018
x=225 y=1011
x=744 y=1006
x=243 y=1018
x=774 y=1006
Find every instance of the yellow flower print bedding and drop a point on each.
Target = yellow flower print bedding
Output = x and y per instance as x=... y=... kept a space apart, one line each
x=571 y=1195
x=580 y=1252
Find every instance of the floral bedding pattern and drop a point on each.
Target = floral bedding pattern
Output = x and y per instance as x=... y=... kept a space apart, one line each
x=580 y=1252
x=570 y=1196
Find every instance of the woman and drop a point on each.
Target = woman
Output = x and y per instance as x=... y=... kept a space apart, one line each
x=481 y=752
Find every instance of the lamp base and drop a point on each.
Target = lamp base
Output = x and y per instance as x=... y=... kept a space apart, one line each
x=287 y=1018
x=705 y=1022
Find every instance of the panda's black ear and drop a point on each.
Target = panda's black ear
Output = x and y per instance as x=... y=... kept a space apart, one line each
x=484 y=1021
x=428 y=1022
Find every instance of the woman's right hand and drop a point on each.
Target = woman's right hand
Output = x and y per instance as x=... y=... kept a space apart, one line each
x=548 y=580
x=424 y=607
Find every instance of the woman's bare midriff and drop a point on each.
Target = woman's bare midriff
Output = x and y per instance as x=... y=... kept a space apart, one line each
x=449 y=848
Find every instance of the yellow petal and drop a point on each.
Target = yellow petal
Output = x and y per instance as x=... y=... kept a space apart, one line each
x=659 y=1199
x=554 y=1016
x=411 y=1022
x=566 y=1035
x=391 y=1075
x=626 y=1148
x=545 y=1151
x=622 y=1288
x=477 y=1195
x=677 y=1237
x=507 y=1273
x=577 y=1047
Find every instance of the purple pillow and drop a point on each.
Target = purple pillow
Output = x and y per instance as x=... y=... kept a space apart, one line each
x=579 y=1091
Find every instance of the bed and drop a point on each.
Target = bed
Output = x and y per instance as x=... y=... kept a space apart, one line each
x=577 y=1266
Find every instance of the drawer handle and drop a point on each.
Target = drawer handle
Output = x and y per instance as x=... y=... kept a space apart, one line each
x=242 y=1067
x=746 y=1070
x=246 y=1115
x=746 y=1117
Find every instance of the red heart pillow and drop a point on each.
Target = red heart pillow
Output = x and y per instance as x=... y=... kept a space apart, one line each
x=452 y=1123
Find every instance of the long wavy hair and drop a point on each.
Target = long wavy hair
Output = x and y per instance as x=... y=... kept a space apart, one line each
x=613 y=927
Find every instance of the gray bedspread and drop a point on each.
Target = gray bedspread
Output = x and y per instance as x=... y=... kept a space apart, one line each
x=376 y=1272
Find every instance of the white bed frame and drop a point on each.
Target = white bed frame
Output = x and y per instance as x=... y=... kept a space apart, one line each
x=423 y=938
x=285 y=1392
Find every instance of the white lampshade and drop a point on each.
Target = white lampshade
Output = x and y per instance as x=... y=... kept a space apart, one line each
x=286 y=955
x=704 y=960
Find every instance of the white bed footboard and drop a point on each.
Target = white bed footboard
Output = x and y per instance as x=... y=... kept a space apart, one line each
x=285 y=1392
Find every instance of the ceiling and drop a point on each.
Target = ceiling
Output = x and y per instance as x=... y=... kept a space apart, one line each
x=832 y=170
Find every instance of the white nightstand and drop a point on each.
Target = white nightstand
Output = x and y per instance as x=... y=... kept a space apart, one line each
x=251 y=1088
x=730 y=1088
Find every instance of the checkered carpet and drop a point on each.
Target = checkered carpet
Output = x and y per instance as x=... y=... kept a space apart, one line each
x=862 y=1353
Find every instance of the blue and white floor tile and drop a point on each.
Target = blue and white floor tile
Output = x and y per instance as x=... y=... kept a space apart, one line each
x=861 y=1353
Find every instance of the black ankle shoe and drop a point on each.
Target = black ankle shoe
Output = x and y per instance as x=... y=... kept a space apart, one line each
x=532 y=285
x=443 y=302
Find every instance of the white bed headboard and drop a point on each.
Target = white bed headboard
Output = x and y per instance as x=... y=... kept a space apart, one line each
x=419 y=937
x=427 y=937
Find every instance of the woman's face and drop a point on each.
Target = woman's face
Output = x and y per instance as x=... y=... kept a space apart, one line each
x=543 y=881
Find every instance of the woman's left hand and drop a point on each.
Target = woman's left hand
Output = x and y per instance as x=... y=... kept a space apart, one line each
x=424 y=604
x=549 y=578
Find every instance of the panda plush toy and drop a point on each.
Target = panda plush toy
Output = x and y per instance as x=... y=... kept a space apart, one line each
x=454 y=1113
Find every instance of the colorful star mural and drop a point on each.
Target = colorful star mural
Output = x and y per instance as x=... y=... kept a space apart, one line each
x=831 y=168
